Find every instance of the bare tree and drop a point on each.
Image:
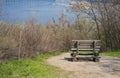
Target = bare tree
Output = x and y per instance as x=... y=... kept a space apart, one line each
x=106 y=16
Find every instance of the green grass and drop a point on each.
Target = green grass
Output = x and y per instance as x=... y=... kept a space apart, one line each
x=113 y=54
x=31 y=68
x=85 y=52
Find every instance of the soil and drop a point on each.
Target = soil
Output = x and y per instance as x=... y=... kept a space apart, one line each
x=108 y=67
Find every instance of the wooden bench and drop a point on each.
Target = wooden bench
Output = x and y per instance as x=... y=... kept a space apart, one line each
x=86 y=45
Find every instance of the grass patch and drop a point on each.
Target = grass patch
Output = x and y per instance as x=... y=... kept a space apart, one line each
x=85 y=52
x=113 y=54
x=31 y=68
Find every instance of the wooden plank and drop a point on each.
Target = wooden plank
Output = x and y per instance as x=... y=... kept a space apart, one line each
x=77 y=46
x=94 y=46
x=84 y=49
x=85 y=54
x=86 y=41
x=88 y=44
x=80 y=44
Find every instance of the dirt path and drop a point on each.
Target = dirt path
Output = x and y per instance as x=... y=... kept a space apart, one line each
x=108 y=67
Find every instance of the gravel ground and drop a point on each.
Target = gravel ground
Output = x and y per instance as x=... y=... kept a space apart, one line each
x=108 y=67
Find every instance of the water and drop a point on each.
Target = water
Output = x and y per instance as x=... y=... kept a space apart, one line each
x=40 y=10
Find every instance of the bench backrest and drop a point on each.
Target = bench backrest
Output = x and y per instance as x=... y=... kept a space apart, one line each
x=86 y=45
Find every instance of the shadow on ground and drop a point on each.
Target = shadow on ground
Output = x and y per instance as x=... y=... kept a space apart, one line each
x=78 y=59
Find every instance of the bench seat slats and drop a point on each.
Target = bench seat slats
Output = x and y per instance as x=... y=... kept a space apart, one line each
x=86 y=40
x=84 y=49
x=88 y=47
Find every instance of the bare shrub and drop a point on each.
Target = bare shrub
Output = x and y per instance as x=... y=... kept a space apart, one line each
x=18 y=41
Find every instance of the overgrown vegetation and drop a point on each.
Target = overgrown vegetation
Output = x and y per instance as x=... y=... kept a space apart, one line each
x=31 y=68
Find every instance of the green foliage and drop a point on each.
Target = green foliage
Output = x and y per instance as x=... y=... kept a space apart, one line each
x=30 y=68
x=113 y=54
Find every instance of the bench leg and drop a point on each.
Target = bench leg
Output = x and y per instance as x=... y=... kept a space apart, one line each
x=74 y=58
x=96 y=59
